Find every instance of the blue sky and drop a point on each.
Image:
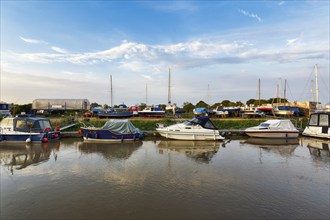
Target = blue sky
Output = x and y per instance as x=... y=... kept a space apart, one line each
x=69 y=49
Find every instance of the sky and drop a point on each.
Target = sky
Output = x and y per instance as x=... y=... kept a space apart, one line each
x=215 y=50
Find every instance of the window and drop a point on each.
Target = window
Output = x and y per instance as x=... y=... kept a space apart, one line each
x=313 y=119
x=324 y=120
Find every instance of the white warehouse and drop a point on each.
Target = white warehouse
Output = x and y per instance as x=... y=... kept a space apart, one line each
x=60 y=104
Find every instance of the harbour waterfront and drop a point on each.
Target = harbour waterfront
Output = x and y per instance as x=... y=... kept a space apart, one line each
x=162 y=179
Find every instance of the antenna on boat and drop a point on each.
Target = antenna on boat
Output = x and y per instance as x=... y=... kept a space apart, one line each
x=146 y=93
x=259 y=91
x=208 y=95
x=316 y=85
x=111 y=96
x=169 y=86
x=279 y=91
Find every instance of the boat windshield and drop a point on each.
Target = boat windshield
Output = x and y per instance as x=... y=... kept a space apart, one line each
x=32 y=125
x=202 y=121
x=193 y=121
x=264 y=125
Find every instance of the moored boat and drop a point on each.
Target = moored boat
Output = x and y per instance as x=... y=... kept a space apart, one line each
x=28 y=129
x=318 y=124
x=198 y=128
x=283 y=110
x=273 y=129
x=156 y=112
x=112 y=131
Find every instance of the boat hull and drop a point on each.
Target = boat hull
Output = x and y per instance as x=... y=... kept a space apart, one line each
x=316 y=131
x=99 y=135
x=187 y=135
x=273 y=134
x=116 y=115
x=30 y=137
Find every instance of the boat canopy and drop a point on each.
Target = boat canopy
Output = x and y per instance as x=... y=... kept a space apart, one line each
x=120 y=126
x=203 y=121
x=26 y=124
x=284 y=124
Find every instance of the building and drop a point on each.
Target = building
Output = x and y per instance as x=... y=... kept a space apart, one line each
x=4 y=109
x=60 y=104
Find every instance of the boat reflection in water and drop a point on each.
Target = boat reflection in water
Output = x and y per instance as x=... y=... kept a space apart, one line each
x=20 y=156
x=201 y=151
x=121 y=150
x=279 y=145
x=317 y=147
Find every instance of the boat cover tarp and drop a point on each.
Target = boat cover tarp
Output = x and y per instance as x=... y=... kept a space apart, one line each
x=203 y=121
x=120 y=126
x=281 y=124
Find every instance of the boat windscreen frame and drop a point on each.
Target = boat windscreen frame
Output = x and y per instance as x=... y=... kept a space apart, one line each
x=203 y=121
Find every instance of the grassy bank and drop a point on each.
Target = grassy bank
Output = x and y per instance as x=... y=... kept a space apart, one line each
x=149 y=124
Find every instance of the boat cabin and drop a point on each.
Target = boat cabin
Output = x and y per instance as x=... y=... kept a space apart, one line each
x=203 y=121
x=320 y=119
x=25 y=124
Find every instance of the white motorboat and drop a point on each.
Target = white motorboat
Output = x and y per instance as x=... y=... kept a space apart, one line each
x=318 y=125
x=273 y=129
x=198 y=128
x=149 y=111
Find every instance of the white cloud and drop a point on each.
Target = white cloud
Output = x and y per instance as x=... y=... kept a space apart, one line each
x=291 y=41
x=251 y=15
x=59 y=50
x=137 y=57
x=281 y=3
x=32 y=41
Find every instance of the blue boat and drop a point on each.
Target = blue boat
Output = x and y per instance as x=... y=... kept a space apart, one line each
x=112 y=131
x=121 y=112
x=28 y=129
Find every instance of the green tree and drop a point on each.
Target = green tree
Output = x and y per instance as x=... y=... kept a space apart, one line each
x=17 y=109
x=188 y=107
x=94 y=104
x=239 y=103
x=201 y=104
x=142 y=106
x=163 y=106
x=227 y=103
x=250 y=102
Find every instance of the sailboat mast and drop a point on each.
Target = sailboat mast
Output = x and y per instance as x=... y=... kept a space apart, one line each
x=208 y=95
x=316 y=85
x=146 y=93
x=169 y=87
x=312 y=91
x=259 y=91
x=111 y=96
x=284 y=90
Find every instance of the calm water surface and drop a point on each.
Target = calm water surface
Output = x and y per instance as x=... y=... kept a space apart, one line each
x=159 y=179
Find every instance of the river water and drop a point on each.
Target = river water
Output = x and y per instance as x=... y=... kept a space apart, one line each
x=159 y=179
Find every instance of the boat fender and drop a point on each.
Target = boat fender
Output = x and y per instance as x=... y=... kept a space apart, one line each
x=45 y=140
x=79 y=131
x=28 y=140
x=57 y=128
x=95 y=135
